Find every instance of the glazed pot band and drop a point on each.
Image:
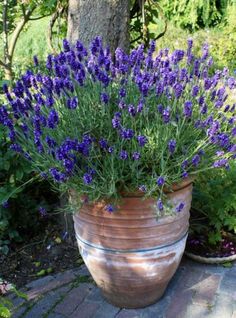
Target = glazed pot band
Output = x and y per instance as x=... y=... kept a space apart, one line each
x=116 y=251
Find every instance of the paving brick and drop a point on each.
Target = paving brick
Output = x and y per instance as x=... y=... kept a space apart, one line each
x=234 y=314
x=19 y=312
x=228 y=282
x=95 y=296
x=223 y=308
x=61 y=279
x=173 y=284
x=86 y=310
x=46 y=304
x=191 y=278
x=196 y=311
x=41 y=282
x=55 y=315
x=74 y=298
x=205 y=291
x=130 y=313
x=106 y=310
x=179 y=304
x=83 y=271
x=17 y=301
x=159 y=308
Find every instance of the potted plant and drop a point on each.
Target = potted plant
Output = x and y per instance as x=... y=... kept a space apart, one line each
x=125 y=138
x=213 y=219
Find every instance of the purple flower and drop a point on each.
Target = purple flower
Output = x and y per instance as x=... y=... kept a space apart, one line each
x=233 y=132
x=53 y=119
x=205 y=51
x=68 y=164
x=103 y=143
x=160 y=108
x=36 y=61
x=57 y=175
x=172 y=146
x=72 y=103
x=227 y=108
x=87 y=178
x=177 y=56
x=122 y=92
x=109 y=208
x=160 y=181
x=144 y=89
x=160 y=205
x=142 y=140
x=188 y=109
x=131 y=110
x=42 y=211
x=220 y=153
x=104 y=98
x=142 y=188
x=221 y=163
x=66 y=45
x=178 y=88
x=201 y=100
x=140 y=107
x=110 y=149
x=127 y=133
x=180 y=207
x=50 y=141
x=195 y=90
x=123 y=155
x=136 y=155
x=122 y=105
x=16 y=148
x=5 y=204
x=116 y=122
x=184 y=174
x=203 y=109
x=43 y=175
x=166 y=115
x=196 y=160
x=184 y=164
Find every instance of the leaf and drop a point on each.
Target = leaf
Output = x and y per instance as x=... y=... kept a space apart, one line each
x=42 y=272
x=227 y=264
x=58 y=240
x=49 y=270
x=20 y=294
x=4 y=312
x=37 y=264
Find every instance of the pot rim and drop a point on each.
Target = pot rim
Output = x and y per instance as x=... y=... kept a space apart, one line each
x=174 y=188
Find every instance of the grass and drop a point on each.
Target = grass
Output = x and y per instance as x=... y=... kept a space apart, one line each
x=32 y=41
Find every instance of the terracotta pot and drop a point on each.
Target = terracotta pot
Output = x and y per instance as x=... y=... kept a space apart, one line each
x=130 y=253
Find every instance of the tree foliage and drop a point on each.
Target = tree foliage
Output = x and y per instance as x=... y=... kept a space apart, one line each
x=195 y=14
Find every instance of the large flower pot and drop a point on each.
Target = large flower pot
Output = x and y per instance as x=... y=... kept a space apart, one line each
x=130 y=253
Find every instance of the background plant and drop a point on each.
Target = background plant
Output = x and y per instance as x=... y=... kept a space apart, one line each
x=19 y=203
x=214 y=204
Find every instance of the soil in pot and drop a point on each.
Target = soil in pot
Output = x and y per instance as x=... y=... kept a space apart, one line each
x=199 y=245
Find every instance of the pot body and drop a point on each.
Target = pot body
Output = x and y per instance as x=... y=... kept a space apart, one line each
x=130 y=253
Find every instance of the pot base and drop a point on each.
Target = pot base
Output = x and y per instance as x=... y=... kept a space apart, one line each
x=137 y=300
x=133 y=279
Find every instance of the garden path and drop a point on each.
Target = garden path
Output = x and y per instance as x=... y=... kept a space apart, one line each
x=196 y=291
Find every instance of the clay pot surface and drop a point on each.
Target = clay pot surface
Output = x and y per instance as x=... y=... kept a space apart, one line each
x=132 y=254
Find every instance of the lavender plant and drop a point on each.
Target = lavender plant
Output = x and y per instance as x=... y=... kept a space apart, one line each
x=143 y=121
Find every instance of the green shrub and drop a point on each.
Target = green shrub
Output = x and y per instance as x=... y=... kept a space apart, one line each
x=214 y=203
x=19 y=204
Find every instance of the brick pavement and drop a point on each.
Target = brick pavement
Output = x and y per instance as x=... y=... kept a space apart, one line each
x=196 y=291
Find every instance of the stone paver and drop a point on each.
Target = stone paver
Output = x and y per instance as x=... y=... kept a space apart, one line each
x=195 y=291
